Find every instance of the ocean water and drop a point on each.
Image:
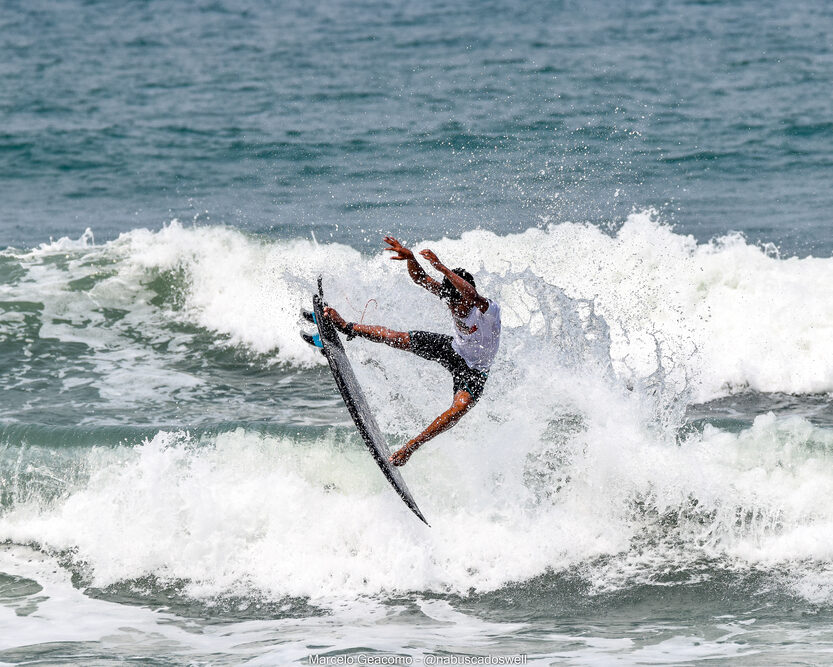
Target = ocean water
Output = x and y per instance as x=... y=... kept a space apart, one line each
x=645 y=188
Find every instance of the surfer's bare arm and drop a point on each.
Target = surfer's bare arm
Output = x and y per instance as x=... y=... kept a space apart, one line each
x=461 y=405
x=416 y=272
x=462 y=285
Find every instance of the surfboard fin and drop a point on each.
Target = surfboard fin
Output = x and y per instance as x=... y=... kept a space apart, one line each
x=312 y=339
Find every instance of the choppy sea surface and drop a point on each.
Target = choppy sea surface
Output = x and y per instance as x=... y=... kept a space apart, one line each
x=645 y=187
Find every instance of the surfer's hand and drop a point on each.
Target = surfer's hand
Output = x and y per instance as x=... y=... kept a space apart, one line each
x=433 y=260
x=336 y=319
x=401 y=251
x=400 y=457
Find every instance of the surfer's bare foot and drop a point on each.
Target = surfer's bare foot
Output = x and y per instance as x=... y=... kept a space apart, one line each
x=401 y=456
x=339 y=322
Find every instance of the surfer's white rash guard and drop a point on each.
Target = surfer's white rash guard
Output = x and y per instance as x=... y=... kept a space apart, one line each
x=477 y=336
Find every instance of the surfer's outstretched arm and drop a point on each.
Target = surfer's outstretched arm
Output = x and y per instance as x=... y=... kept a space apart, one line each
x=401 y=340
x=467 y=292
x=416 y=272
x=461 y=405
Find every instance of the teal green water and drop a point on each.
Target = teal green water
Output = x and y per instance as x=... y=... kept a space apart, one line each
x=644 y=188
x=425 y=120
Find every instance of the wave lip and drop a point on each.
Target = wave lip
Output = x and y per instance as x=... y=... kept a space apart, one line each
x=723 y=315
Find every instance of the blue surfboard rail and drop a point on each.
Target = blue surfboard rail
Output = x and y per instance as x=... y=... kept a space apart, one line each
x=354 y=399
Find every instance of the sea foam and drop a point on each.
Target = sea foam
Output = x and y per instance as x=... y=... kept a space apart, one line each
x=243 y=512
x=722 y=315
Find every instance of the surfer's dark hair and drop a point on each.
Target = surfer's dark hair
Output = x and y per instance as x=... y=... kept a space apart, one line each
x=448 y=291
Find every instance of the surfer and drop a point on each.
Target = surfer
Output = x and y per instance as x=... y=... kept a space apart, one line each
x=467 y=355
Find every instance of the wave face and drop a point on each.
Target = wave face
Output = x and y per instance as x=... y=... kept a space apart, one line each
x=165 y=419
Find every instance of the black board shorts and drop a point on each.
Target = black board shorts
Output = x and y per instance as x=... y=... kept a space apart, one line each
x=437 y=347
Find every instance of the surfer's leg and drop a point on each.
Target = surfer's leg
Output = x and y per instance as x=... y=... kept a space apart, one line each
x=463 y=402
x=401 y=340
x=398 y=339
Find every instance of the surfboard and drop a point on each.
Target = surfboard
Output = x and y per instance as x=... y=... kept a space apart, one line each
x=356 y=402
